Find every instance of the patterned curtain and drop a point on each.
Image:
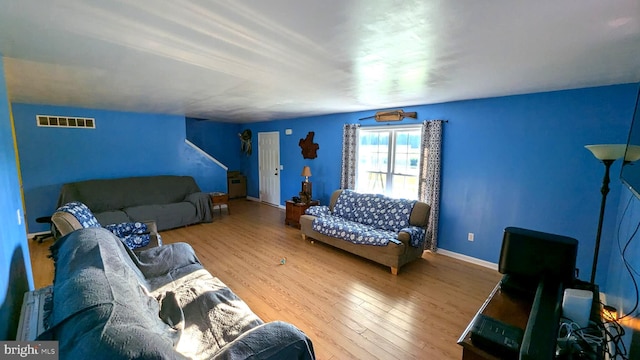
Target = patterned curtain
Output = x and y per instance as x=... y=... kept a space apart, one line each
x=429 y=182
x=349 y=145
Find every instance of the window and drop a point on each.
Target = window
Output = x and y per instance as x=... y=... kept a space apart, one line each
x=389 y=161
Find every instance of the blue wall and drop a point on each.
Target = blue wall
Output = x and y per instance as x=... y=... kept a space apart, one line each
x=122 y=144
x=325 y=169
x=15 y=268
x=508 y=161
x=218 y=139
x=521 y=161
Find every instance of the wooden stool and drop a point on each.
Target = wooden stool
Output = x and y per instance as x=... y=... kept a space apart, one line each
x=218 y=199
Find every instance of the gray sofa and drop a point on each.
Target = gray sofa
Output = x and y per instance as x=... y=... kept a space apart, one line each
x=387 y=231
x=171 y=201
x=111 y=303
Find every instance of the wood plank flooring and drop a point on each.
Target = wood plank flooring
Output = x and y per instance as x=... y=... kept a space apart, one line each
x=350 y=307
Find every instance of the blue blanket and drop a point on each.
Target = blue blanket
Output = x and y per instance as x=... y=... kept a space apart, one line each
x=368 y=219
x=110 y=303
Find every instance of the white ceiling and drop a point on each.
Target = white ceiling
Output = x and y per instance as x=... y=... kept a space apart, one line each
x=249 y=60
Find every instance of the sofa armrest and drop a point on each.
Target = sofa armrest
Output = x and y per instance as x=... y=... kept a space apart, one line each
x=274 y=340
x=202 y=202
x=412 y=236
x=405 y=237
x=64 y=223
x=318 y=210
x=334 y=198
x=155 y=239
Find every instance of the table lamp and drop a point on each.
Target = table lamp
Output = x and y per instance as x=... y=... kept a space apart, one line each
x=305 y=193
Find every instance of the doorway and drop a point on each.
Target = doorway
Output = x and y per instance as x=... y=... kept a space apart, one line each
x=269 y=167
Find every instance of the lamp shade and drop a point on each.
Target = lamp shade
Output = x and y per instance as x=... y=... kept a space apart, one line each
x=607 y=151
x=306 y=171
x=632 y=154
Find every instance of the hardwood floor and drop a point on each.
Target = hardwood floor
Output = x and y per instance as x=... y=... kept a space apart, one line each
x=350 y=307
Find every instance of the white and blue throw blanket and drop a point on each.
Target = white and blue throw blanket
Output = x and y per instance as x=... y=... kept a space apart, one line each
x=133 y=234
x=369 y=219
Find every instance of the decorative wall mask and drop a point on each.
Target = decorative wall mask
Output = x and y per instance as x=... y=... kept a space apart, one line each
x=308 y=147
x=245 y=141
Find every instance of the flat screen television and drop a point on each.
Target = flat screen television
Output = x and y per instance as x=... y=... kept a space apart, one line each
x=630 y=173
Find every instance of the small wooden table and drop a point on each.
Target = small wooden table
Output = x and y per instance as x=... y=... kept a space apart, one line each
x=218 y=199
x=295 y=210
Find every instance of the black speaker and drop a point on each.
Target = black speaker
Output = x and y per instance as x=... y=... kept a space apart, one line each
x=530 y=256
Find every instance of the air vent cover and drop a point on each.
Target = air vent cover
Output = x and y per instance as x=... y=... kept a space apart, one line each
x=65 y=121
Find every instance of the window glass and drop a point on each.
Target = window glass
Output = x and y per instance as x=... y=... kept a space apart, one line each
x=389 y=161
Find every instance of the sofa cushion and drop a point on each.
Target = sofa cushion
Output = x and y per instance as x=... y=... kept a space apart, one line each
x=166 y=216
x=354 y=231
x=375 y=210
x=213 y=315
x=420 y=214
x=164 y=264
x=345 y=205
x=133 y=234
x=112 y=217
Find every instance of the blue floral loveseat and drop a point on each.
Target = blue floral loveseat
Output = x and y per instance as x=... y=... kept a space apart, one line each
x=388 y=231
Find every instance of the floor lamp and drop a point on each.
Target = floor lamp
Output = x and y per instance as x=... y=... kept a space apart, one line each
x=607 y=153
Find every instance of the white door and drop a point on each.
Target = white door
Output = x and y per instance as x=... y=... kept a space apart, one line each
x=269 y=166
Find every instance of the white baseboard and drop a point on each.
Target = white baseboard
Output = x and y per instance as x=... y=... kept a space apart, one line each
x=258 y=200
x=30 y=235
x=468 y=259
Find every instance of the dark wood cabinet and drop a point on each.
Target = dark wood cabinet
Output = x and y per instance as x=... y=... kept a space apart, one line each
x=295 y=210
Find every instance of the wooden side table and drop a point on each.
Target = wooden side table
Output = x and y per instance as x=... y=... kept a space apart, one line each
x=295 y=210
x=218 y=199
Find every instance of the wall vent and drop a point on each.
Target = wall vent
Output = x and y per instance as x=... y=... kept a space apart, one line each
x=65 y=121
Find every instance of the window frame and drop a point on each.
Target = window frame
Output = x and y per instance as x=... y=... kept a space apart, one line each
x=392 y=131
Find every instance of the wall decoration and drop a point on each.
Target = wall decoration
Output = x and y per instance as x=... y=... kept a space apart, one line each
x=392 y=115
x=245 y=141
x=308 y=147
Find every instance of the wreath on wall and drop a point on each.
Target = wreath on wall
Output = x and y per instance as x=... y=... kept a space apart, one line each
x=245 y=142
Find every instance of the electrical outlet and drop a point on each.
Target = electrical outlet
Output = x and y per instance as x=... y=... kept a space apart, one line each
x=470 y=237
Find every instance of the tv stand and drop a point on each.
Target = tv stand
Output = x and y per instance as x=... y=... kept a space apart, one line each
x=501 y=305
x=512 y=308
